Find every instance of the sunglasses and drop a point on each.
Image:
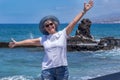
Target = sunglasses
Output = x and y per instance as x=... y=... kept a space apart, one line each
x=50 y=24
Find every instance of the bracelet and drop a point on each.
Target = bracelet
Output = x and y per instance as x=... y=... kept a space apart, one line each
x=83 y=11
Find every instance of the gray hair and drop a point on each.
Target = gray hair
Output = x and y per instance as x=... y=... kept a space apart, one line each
x=46 y=18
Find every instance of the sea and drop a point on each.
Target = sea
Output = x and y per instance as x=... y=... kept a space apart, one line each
x=25 y=63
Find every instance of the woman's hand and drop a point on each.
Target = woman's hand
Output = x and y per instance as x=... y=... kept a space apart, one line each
x=88 y=5
x=12 y=44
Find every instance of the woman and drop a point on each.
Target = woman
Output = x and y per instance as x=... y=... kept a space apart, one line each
x=54 y=65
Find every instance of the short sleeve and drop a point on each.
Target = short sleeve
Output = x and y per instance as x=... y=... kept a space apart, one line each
x=64 y=32
x=41 y=42
x=42 y=39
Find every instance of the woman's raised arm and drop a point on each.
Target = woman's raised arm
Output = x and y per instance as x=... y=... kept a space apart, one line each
x=71 y=25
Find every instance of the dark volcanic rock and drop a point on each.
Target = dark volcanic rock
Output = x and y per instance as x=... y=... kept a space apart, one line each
x=109 y=41
x=84 y=29
x=4 y=44
x=79 y=39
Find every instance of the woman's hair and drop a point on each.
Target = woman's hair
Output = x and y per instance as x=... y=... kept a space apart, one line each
x=46 y=18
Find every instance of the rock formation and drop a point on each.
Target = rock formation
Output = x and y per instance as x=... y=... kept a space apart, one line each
x=84 y=29
x=84 y=41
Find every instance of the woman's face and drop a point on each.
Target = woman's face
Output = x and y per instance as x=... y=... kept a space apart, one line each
x=50 y=27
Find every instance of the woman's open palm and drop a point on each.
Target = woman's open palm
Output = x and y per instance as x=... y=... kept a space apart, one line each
x=88 y=5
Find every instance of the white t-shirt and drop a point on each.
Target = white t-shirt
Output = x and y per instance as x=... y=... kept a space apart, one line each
x=55 y=50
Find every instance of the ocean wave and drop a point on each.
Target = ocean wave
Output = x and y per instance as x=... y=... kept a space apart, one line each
x=21 y=77
x=80 y=78
x=108 y=55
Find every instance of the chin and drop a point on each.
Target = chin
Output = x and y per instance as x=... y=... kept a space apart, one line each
x=52 y=32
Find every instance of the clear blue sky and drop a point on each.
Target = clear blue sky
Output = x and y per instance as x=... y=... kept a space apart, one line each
x=31 y=11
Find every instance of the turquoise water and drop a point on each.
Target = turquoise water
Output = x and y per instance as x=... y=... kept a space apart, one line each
x=25 y=63
x=25 y=31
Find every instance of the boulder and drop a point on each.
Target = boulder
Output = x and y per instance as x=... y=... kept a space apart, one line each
x=84 y=29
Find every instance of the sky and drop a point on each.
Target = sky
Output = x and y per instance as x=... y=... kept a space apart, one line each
x=31 y=11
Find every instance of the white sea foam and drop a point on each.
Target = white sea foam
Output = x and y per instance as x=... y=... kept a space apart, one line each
x=80 y=78
x=86 y=78
x=108 y=53
x=18 y=78
x=113 y=52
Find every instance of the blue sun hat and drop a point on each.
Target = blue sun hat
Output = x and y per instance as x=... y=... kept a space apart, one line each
x=50 y=17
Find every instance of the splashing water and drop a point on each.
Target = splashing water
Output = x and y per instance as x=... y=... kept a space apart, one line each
x=31 y=35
